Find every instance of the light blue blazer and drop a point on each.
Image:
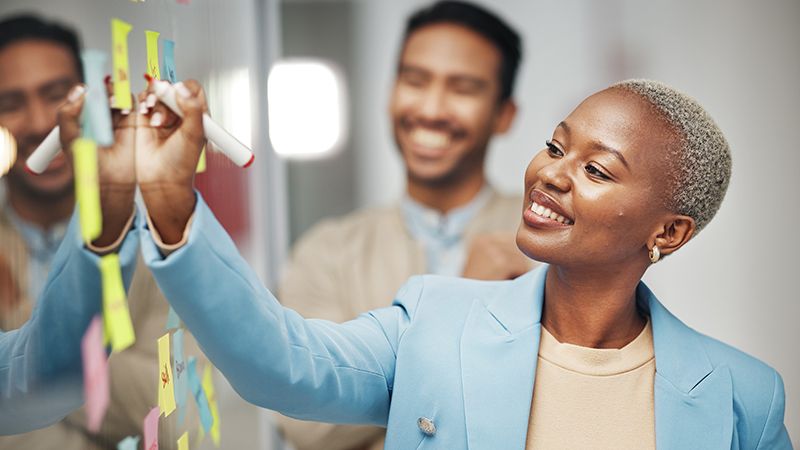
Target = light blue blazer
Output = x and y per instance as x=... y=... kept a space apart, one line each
x=459 y=354
x=40 y=363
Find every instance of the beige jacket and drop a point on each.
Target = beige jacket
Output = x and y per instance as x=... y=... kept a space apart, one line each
x=343 y=267
x=133 y=372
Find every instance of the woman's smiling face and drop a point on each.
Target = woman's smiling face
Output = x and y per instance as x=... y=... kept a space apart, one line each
x=595 y=194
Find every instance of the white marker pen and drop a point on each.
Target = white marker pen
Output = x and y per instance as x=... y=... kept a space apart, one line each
x=224 y=141
x=41 y=157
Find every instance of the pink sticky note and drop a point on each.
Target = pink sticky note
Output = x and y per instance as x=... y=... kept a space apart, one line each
x=95 y=374
x=151 y=429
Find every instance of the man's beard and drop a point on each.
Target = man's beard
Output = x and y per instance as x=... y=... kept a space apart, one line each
x=18 y=183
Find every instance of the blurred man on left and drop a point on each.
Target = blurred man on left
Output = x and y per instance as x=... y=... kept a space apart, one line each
x=39 y=64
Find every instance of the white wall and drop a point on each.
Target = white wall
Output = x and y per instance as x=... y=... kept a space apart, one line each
x=739 y=58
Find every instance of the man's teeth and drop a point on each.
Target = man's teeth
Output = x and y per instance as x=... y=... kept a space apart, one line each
x=540 y=210
x=430 y=139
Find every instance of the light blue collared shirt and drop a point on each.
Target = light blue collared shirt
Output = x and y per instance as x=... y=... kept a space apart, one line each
x=442 y=235
x=41 y=244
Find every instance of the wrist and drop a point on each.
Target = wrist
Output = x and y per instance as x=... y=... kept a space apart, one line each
x=116 y=203
x=169 y=206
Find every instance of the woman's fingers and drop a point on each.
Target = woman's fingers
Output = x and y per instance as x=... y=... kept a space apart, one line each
x=69 y=115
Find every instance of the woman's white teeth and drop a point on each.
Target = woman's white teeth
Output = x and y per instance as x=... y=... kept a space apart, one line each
x=540 y=210
x=430 y=139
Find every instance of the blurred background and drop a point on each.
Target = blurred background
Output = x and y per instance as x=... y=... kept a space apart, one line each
x=740 y=59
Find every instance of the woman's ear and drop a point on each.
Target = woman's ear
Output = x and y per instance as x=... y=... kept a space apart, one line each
x=673 y=234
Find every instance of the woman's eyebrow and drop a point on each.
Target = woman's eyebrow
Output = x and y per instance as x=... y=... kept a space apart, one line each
x=597 y=145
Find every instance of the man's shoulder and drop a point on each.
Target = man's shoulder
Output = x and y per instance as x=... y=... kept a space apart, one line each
x=355 y=224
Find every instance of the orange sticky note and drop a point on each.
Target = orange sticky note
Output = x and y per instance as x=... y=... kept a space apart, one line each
x=183 y=441
x=119 y=57
x=208 y=387
x=166 y=392
x=152 y=54
x=116 y=315
x=87 y=188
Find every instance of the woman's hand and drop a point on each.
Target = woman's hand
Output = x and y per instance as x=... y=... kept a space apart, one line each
x=116 y=169
x=167 y=151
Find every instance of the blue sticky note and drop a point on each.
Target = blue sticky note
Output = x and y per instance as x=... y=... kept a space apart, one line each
x=179 y=374
x=173 y=321
x=199 y=395
x=168 y=70
x=129 y=443
x=96 y=111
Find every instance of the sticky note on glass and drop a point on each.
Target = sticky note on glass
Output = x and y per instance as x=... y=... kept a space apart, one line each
x=116 y=314
x=199 y=395
x=95 y=375
x=183 y=441
x=201 y=163
x=151 y=430
x=208 y=387
x=87 y=188
x=173 y=321
x=166 y=392
x=152 y=54
x=179 y=368
x=119 y=59
x=96 y=113
x=129 y=443
x=168 y=48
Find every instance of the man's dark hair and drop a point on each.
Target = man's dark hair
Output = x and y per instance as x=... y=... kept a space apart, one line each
x=481 y=21
x=30 y=27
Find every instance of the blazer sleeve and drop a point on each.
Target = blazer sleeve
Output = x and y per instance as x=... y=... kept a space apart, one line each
x=40 y=363
x=774 y=435
x=305 y=368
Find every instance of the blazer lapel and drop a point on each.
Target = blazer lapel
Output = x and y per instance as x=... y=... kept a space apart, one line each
x=693 y=399
x=499 y=350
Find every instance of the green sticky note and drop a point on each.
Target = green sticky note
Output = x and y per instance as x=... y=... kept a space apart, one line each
x=87 y=188
x=116 y=314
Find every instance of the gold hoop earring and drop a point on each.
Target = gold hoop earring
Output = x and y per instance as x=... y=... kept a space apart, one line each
x=655 y=254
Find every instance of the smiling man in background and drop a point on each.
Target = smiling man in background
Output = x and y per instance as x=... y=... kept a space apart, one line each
x=452 y=94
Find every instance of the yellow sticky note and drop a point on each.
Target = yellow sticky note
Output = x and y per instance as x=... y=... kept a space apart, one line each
x=208 y=387
x=119 y=51
x=116 y=316
x=87 y=189
x=201 y=163
x=166 y=392
x=152 y=54
x=183 y=441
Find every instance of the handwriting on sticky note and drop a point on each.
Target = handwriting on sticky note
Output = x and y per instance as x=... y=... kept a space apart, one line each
x=119 y=59
x=199 y=395
x=129 y=443
x=183 y=441
x=166 y=391
x=153 y=69
x=208 y=387
x=87 y=188
x=179 y=366
x=151 y=430
x=95 y=375
x=116 y=314
x=168 y=48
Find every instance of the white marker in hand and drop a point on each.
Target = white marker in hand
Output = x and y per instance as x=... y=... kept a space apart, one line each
x=41 y=157
x=224 y=141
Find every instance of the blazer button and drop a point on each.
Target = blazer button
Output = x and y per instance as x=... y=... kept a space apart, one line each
x=426 y=426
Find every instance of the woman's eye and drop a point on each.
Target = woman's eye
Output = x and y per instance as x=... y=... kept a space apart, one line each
x=553 y=149
x=592 y=170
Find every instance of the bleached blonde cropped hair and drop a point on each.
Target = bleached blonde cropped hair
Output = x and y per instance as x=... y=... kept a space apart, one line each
x=701 y=163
